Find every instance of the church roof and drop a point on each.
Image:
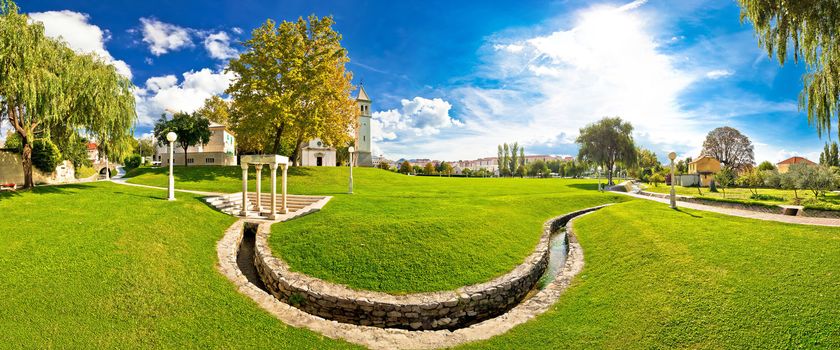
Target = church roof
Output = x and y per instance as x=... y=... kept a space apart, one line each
x=363 y=96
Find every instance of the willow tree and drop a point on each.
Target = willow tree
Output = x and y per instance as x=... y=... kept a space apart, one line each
x=293 y=86
x=807 y=29
x=45 y=86
x=607 y=142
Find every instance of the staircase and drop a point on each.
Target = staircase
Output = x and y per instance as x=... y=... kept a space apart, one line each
x=231 y=204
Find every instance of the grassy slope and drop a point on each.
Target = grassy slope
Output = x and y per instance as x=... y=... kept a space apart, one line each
x=402 y=233
x=657 y=278
x=109 y=266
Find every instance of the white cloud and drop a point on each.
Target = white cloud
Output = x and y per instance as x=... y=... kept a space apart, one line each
x=604 y=60
x=165 y=94
x=218 y=46
x=719 y=73
x=417 y=118
x=74 y=28
x=164 y=37
x=236 y=30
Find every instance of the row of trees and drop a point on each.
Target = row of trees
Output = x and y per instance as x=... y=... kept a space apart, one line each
x=817 y=179
x=52 y=95
x=829 y=156
x=510 y=158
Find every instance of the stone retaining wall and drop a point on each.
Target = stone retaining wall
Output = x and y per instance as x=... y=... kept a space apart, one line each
x=422 y=311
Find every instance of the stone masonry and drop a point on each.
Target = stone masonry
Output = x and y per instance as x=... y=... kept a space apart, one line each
x=422 y=311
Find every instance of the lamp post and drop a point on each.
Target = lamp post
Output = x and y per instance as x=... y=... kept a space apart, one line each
x=350 y=150
x=673 y=156
x=599 y=178
x=171 y=137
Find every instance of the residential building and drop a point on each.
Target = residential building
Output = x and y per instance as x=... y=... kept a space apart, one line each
x=220 y=150
x=93 y=152
x=702 y=170
x=784 y=165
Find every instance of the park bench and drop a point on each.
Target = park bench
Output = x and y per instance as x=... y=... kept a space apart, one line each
x=8 y=187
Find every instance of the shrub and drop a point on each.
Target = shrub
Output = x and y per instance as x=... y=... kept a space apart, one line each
x=656 y=179
x=132 y=162
x=766 y=197
x=724 y=179
x=45 y=155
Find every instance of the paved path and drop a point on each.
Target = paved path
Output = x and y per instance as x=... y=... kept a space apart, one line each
x=802 y=220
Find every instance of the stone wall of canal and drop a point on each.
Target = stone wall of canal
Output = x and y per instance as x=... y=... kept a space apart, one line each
x=422 y=311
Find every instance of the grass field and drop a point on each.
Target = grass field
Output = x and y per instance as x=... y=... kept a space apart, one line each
x=403 y=234
x=782 y=196
x=108 y=266
x=659 y=278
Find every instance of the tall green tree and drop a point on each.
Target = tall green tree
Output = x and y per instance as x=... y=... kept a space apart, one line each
x=292 y=86
x=506 y=170
x=191 y=128
x=514 y=156
x=46 y=87
x=606 y=142
x=807 y=30
x=216 y=110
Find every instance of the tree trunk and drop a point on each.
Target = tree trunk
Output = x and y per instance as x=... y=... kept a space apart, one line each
x=26 y=160
x=278 y=135
x=295 y=158
x=185 y=155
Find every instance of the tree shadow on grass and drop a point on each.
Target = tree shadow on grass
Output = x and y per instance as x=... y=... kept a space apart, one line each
x=687 y=213
x=588 y=187
x=140 y=195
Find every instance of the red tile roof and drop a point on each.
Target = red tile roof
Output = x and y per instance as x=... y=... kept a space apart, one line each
x=796 y=160
x=91 y=146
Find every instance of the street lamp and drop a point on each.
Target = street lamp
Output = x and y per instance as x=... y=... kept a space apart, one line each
x=599 y=179
x=673 y=156
x=350 y=150
x=171 y=137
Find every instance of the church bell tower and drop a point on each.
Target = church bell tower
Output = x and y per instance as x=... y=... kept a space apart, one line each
x=363 y=156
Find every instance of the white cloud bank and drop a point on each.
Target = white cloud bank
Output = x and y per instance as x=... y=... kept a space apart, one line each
x=609 y=61
x=166 y=94
x=74 y=28
x=164 y=37
x=417 y=117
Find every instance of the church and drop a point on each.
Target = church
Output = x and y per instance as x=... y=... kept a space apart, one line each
x=316 y=153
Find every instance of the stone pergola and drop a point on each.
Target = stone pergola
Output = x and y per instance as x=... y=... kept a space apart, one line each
x=258 y=161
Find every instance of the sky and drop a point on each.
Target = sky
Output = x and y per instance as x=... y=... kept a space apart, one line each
x=451 y=80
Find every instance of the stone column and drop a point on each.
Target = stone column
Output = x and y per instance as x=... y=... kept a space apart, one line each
x=259 y=207
x=273 y=215
x=283 y=208
x=244 y=211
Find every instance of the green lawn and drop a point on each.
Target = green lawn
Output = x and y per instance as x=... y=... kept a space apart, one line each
x=783 y=196
x=659 y=278
x=402 y=234
x=109 y=266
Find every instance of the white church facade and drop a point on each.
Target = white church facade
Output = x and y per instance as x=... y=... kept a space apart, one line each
x=316 y=153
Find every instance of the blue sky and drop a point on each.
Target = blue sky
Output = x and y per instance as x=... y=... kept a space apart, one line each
x=452 y=79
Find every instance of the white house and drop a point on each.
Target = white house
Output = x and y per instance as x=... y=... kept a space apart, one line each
x=220 y=150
